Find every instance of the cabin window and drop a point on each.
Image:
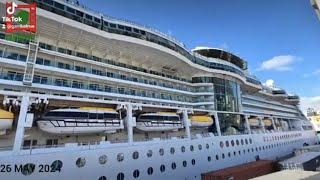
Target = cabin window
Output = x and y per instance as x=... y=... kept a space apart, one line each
x=52 y=142
x=71 y=10
x=120 y=176
x=28 y=144
x=113 y=25
x=58 y=5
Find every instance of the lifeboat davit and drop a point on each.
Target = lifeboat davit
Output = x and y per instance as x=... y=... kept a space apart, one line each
x=161 y=121
x=6 y=120
x=84 y=120
x=201 y=121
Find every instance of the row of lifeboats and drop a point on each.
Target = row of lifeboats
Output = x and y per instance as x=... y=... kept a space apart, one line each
x=86 y=120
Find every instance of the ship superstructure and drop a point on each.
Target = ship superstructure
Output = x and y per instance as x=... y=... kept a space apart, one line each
x=96 y=97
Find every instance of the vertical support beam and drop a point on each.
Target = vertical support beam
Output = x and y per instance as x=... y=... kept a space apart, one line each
x=129 y=123
x=289 y=123
x=273 y=124
x=216 y=121
x=246 y=117
x=186 y=123
x=262 y=123
x=239 y=98
x=21 y=123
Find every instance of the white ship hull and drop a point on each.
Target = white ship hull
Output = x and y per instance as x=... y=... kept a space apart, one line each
x=210 y=148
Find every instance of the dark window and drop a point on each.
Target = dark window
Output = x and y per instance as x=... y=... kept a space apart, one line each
x=88 y=17
x=97 y=20
x=71 y=10
x=120 y=27
x=113 y=25
x=50 y=2
x=93 y=116
x=58 y=5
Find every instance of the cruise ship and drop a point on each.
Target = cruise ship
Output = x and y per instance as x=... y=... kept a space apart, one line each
x=93 y=97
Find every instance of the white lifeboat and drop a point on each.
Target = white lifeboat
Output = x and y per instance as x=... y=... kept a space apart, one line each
x=6 y=120
x=83 y=120
x=201 y=121
x=161 y=121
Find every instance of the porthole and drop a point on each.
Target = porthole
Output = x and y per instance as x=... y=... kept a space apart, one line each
x=120 y=176
x=239 y=152
x=120 y=157
x=56 y=165
x=250 y=140
x=209 y=158
x=28 y=169
x=102 y=178
x=222 y=155
x=256 y=148
x=217 y=157
x=221 y=144
x=252 y=149
x=227 y=143
x=246 y=140
x=242 y=142
x=207 y=146
x=248 y=150
x=244 y=151
x=172 y=150
x=161 y=152
x=103 y=159
x=150 y=170
x=162 y=168
x=173 y=166
x=237 y=142
x=149 y=153
x=184 y=163
x=259 y=148
x=136 y=173
x=193 y=161
x=183 y=149
x=135 y=155
x=234 y=153
x=232 y=143
x=199 y=146
x=229 y=154
x=263 y=147
x=191 y=148
x=81 y=162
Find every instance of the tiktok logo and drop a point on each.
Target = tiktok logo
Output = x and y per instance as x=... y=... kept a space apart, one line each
x=12 y=9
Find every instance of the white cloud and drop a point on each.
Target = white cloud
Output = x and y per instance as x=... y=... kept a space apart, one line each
x=279 y=63
x=314 y=73
x=309 y=102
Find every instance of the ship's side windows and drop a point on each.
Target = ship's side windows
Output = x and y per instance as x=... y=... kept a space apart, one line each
x=172 y=150
x=120 y=176
x=229 y=154
x=232 y=143
x=102 y=178
x=193 y=161
x=150 y=170
x=227 y=143
x=217 y=157
x=120 y=157
x=209 y=158
x=221 y=144
x=207 y=146
x=56 y=165
x=149 y=153
x=81 y=162
x=28 y=169
x=237 y=142
x=242 y=142
x=162 y=168
x=173 y=166
x=103 y=159
x=136 y=173
x=183 y=149
x=161 y=152
x=135 y=155
x=246 y=140
x=234 y=153
x=223 y=156
x=191 y=148
x=200 y=146
x=184 y=163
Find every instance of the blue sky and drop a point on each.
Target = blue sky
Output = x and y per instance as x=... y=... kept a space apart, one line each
x=279 y=39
